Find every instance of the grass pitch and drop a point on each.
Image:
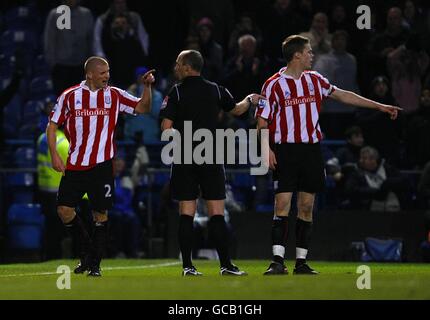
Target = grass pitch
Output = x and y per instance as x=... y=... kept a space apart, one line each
x=162 y=280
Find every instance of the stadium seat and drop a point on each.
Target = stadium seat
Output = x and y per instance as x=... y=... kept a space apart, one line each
x=40 y=87
x=12 y=111
x=25 y=226
x=29 y=130
x=25 y=157
x=20 y=187
x=31 y=111
x=40 y=67
x=21 y=17
x=7 y=65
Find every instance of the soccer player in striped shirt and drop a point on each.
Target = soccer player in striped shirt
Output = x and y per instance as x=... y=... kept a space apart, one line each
x=89 y=112
x=291 y=112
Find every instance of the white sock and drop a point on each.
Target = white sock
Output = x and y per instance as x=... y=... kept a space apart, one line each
x=278 y=250
x=301 y=253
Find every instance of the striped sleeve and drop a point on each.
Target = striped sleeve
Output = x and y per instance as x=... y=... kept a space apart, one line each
x=60 y=110
x=265 y=107
x=127 y=102
x=326 y=86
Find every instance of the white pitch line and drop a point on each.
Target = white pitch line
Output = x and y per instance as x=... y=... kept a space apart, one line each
x=167 y=264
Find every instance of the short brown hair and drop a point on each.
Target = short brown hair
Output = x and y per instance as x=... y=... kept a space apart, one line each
x=293 y=44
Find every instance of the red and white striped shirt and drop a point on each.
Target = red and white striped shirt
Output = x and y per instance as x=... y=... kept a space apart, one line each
x=90 y=118
x=292 y=107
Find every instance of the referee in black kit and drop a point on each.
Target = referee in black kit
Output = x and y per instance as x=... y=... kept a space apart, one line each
x=198 y=100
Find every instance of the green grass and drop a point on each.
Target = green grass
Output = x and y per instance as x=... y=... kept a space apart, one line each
x=139 y=279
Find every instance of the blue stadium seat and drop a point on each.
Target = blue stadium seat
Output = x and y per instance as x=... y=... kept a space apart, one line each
x=31 y=111
x=12 y=111
x=160 y=179
x=7 y=65
x=40 y=67
x=40 y=87
x=25 y=157
x=29 y=130
x=20 y=17
x=20 y=187
x=25 y=226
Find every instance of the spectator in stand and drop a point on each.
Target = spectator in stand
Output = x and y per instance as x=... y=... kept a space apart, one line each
x=245 y=26
x=339 y=19
x=66 y=51
x=277 y=22
x=122 y=38
x=375 y=185
x=319 y=35
x=378 y=132
x=103 y=23
x=144 y=124
x=417 y=137
x=211 y=50
x=406 y=64
x=382 y=44
x=244 y=72
x=349 y=155
x=340 y=68
x=125 y=225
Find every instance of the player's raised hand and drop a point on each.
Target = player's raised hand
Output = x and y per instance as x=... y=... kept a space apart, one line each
x=393 y=111
x=148 y=78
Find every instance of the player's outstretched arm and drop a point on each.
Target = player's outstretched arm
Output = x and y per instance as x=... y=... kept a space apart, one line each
x=144 y=105
x=352 y=98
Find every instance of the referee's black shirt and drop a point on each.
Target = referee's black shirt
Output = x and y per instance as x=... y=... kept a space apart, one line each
x=197 y=100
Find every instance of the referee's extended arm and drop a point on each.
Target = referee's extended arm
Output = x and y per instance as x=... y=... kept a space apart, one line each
x=144 y=105
x=244 y=105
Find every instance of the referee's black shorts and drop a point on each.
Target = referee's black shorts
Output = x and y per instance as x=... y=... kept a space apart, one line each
x=97 y=182
x=190 y=181
x=300 y=167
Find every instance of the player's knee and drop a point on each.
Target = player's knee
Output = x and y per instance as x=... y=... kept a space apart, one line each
x=66 y=214
x=100 y=216
x=282 y=207
x=305 y=211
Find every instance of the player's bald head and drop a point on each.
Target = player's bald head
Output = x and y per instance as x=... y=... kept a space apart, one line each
x=94 y=61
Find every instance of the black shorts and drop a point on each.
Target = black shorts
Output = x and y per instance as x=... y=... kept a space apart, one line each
x=97 y=182
x=300 y=167
x=190 y=181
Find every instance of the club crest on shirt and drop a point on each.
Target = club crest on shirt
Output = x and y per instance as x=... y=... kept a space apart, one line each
x=164 y=104
x=311 y=88
x=107 y=100
x=287 y=94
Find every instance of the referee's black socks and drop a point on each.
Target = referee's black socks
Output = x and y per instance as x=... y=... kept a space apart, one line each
x=303 y=238
x=279 y=238
x=185 y=235
x=99 y=241
x=80 y=234
x=220 y=236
